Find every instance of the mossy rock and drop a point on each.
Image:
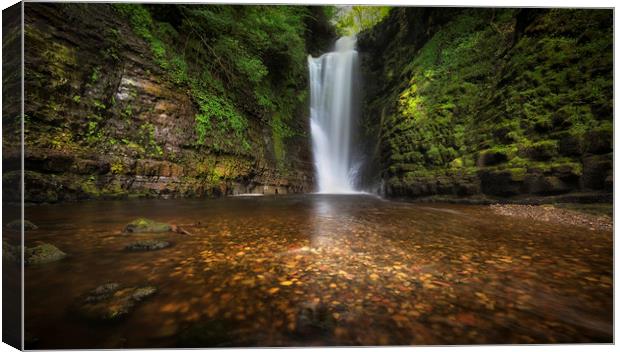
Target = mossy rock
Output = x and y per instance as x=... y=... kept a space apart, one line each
x=146 y=225
x=110 y=302
x=43 y=253
x=542 y=151
x=147 y=245
x=17 y=225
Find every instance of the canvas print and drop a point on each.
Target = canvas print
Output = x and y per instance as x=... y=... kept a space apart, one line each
x=217 y=175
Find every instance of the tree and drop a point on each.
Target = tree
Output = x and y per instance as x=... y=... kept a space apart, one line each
x=355 y=19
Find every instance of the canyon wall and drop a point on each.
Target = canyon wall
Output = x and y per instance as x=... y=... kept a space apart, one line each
x=499 y=103
x=131 y=100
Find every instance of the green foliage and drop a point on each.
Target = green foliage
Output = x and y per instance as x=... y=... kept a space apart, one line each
x=98 y=104
x=350 y=21
x=147 y=136
x=234 y=60
x=94 y=77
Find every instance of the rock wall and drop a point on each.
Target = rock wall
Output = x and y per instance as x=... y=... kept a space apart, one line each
x=495 y=102
x=105 y=119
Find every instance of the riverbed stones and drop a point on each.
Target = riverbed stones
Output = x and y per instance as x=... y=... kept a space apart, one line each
x=111 y=301
x=43 y=253
x=147 y=245
x=142 y=225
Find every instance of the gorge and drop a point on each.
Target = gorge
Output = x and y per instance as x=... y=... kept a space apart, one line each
x=285 y=176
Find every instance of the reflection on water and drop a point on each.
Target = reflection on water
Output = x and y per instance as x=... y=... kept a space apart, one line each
x=320 y=270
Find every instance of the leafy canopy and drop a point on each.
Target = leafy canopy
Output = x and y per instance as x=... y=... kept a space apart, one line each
x=350 y=21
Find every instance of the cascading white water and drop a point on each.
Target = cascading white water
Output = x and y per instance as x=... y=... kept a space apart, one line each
x=332 y=95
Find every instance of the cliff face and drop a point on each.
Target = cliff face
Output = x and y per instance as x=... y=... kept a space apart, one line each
x=118 y=104
x=500 y=102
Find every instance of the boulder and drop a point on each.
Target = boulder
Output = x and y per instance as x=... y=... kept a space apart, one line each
x=146 y=225
x=147 y=245
x=111 y=302
x=43 y=253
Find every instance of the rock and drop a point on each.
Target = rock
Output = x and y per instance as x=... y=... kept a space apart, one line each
x=17 y=224
x=490 y=158
x=110 y=301
x=546 y=185
x=598 y=141
x=43 y=253
x=146 y=225
x=596 y=168
x=541 y=151
x=147 y=245
x=569 y=145
x=466 y=188
x=567 y=173
x=500 y=183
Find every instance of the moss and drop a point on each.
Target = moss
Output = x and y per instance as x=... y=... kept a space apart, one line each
x=117 y=167
x=517 y=174
x=542 y=150
x=140 y=225
x=90 y=188
x=472 y=92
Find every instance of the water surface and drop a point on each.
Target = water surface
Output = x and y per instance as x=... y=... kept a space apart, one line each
x=321 y=270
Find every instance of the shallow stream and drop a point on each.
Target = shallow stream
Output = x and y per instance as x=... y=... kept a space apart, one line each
x=320 y=270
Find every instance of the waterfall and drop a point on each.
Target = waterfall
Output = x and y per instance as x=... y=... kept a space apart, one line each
x=332 y=116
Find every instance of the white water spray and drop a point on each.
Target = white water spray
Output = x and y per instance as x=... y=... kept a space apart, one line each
x=332 y=99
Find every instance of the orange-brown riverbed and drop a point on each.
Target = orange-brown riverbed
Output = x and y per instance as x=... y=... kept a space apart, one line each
x=320 y=270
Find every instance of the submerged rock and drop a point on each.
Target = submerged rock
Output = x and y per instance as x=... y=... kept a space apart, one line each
x=43 y=253
x=111 y=302
x=17 y=225
x=146 y=225
x=147 y=245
